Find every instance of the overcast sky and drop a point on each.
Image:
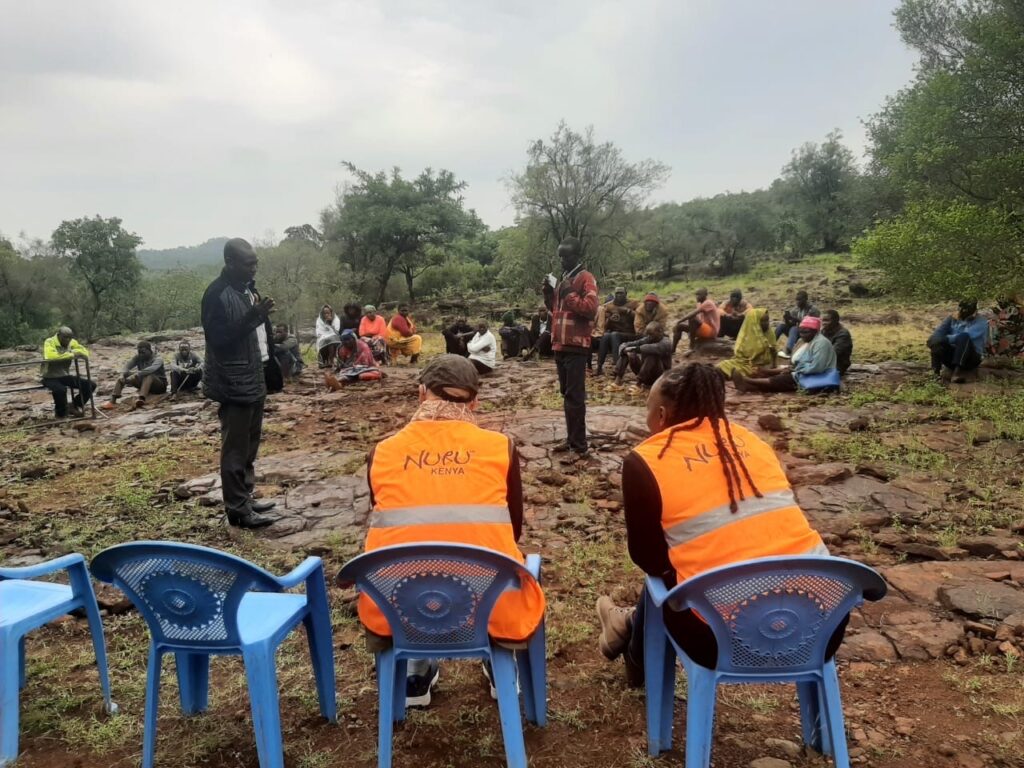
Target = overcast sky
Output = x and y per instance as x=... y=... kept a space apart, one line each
x=193 y=119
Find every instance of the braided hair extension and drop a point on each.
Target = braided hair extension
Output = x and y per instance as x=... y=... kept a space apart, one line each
x=697 y=393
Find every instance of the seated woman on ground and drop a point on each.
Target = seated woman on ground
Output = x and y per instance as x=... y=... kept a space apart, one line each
x=648 y=357
x=402 y=336
x=755 y=346
x=700 y=493
x=354 y=362
x=328 y=326
x=813 y=355
x=373 y=329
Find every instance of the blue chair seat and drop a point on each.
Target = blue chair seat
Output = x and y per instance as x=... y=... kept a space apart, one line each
x=265 y=615
x=20 y=600
x=26 y=605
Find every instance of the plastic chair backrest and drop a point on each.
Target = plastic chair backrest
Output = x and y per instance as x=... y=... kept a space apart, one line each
x=777 y=613
x=189 y=595
x=817 y=382
x=435 y=596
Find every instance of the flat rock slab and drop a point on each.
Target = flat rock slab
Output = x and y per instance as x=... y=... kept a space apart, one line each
x=859 y=500
x=920 y=582
x=982 y=599
x=312 y=513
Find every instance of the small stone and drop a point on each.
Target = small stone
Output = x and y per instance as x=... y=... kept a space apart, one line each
x=905 y=725
x=859 y=424
x=980 y=629
x=1008 y=649
x=769 y=422
x=783 y=746
x=1004 y=632
x=998 y=575
x=182 y=493
x=961 y=657
x=945 y=750
x=770 y=762
x=976 y=646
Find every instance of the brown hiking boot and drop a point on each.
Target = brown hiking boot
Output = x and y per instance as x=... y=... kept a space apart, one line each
x=616 y=627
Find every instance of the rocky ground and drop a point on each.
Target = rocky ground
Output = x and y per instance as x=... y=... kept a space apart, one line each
x=922 y=482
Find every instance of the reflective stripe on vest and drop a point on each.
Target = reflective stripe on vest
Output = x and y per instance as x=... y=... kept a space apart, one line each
x=440 y=515
x=713 y=519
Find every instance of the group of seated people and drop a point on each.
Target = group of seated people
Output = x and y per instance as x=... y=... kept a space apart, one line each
x=482 y=505
x=518 y=341
x=146 y=372
x=386 y=340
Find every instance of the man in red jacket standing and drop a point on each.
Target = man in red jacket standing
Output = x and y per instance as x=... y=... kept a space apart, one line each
x=573 y=304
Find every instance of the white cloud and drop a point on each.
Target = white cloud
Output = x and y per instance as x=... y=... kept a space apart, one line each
x=196 y=119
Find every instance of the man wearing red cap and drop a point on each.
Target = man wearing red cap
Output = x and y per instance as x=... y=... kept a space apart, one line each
x=651 y=311
x=813 y=355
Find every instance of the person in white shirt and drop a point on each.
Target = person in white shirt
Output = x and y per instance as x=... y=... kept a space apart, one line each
x=483 y=349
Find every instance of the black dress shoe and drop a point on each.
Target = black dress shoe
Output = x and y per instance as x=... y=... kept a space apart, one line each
x=263 y=506
x=250 y=520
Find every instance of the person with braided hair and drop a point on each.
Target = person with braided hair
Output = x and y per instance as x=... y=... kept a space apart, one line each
x=699 y=493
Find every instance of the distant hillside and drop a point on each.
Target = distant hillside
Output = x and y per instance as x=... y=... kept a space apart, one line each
x=209 y=253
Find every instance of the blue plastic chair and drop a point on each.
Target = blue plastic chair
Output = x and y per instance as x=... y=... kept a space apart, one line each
x=199 y=602
x=26 y=605
x=437 y=599
x=826 y=381
x=772 y=619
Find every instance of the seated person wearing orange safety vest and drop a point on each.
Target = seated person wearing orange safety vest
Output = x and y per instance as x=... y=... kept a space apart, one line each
x=687 y=511
x=443 y=478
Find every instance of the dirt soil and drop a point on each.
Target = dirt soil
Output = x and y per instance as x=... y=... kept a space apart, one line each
x=918 y=480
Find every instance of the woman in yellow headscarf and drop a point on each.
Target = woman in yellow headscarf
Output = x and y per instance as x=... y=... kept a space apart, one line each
x=755 y=346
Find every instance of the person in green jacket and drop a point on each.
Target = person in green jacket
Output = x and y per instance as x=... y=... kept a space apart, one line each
x=59 y=352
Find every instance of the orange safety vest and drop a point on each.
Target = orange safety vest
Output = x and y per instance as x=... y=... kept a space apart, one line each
x=701 y=530
x=448 y=481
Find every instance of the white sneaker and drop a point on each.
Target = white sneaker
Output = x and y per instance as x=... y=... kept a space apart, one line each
x=490 y=680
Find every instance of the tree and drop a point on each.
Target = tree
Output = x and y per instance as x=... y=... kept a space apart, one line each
x=300 y=278
x=820 y=180
x=582 y=189
x=103 y=257
x=953 y=143
x=305 y=233
x=383 y=224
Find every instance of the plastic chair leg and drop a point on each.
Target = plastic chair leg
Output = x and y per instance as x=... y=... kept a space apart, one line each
x=193 y=681
x=811 y=716
x=526 y=684
x=700 y=715
x=321 y=654
x=536 y=650
x=261 y=673
x=655 y=651
x=668 y=699
x=398 y=697
x=152 y=705
x=22 y=670
x=92 y=611
x=504 y=667
x=10 y=687
x=385 y=713
x=834 y=715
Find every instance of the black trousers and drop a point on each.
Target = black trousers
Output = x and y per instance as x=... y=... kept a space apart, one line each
x=543 y=344
x=960 y=354
x=648 y=368
x=185 y=382
x=695 y=637
x=572 y=382
x=730 y=326
x=59 y=387
x=481 y=368
x=609 y=344
x=241 y=427
x=454 y=344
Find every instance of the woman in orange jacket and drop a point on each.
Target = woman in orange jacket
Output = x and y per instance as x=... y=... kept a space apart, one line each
x=699 y=493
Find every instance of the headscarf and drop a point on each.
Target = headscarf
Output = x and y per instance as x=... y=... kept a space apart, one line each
x=369 y=308
x=754 y=346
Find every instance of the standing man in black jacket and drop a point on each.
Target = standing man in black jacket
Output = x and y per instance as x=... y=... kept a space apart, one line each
x=239 y=344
